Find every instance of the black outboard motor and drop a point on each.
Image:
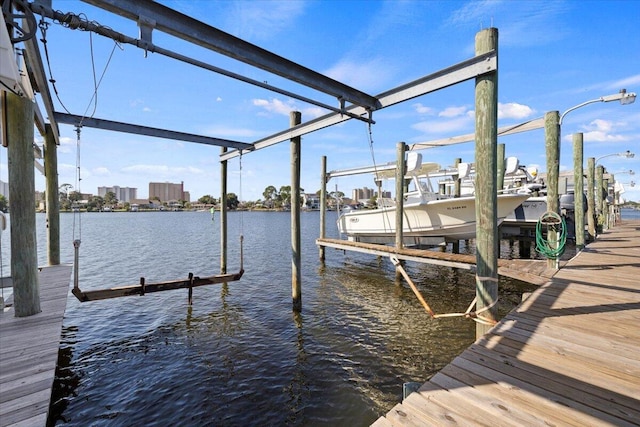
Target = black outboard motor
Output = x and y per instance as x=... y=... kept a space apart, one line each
x=567 y=209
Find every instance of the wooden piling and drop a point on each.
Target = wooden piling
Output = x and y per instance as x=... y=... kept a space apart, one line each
x=24 y=255
x=223 y=214
x=53 y=199
x=456 y=181
x=501 y=163
x=401 y=148
x=552 y=146
x=605 y=204
x=455 y=247
x=295 y=118
x=486 y=137
x=591 y=203
x=598 y=191
x=578 y=189
x=323 y=203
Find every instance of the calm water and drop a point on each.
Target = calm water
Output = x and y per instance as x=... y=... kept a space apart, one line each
x=239 y=355
x=630 y=213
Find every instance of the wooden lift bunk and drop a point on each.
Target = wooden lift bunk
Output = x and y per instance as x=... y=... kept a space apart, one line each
x=143 y=288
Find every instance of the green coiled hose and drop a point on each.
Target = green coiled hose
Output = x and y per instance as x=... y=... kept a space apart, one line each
x=551 y=249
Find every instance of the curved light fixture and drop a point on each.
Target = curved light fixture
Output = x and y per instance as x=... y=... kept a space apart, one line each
x=623 y=96
x=628 y=154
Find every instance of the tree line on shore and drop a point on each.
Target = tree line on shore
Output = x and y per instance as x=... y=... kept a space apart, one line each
x=273 y=198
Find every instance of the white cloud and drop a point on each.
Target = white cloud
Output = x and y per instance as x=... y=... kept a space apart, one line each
x=101 y=171
x=452 y=112
x=629 y=82
x=263 y=20
x=67 y=145
x=283 y=108
x=163 y=170
x=363 y=75
x=513 y=110
x=454 y=126
x=275 y=106
x=423 y=109
x=601 y=131
x=600 y=136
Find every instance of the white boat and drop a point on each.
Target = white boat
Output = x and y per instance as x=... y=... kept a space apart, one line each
x=430 y=218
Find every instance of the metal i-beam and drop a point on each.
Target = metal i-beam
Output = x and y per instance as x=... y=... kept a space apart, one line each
x=36 y=68
x=72 y=119
x=463 y=71
x=182 y=26
x=43 y=9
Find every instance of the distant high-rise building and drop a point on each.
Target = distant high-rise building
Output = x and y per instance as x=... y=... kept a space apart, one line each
x=166 y=191
x=363 y=194
x=123 y=194
x=4 y=189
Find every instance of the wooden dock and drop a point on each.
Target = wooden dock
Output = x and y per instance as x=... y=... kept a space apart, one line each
x=531 y=271
x=29 y=352
x=568 y=355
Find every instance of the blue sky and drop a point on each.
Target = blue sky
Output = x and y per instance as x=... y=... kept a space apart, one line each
x=552 y=55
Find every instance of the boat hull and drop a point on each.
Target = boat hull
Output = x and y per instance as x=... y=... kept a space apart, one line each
x=426 y=223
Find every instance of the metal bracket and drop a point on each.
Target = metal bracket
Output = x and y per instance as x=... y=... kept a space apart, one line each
x=146 y=29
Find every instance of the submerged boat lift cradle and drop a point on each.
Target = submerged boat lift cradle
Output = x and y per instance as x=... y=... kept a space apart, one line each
x=143 y=288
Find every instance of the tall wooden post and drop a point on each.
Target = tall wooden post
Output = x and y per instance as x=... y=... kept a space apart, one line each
x=500 y=156
x=53 y=198
x=591 y=203
x=24 y=253
x=605 y=204
x=456 y=181
x=223 y=214
x=578 y=189
x=598 y=187
x=486 y=136
x=323 y=202
x=455 y=246
x=614 y=201
x=295 y=118
x=401 y=148
x=552 y=146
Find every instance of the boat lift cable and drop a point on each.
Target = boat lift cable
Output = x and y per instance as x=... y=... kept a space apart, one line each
x=476 y=316
x=75 y=207
x=385 y=213
x=241 y=216
x=142 y=287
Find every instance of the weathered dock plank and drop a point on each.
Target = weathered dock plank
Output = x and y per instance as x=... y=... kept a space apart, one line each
x=29 y=352
x=531 y=271
x=568 y=355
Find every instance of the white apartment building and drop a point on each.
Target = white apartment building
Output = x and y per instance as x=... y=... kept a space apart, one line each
x=123 y=194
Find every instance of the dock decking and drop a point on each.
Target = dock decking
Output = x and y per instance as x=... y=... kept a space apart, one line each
x=568 y=355
x=29 y=352
x=527 y=270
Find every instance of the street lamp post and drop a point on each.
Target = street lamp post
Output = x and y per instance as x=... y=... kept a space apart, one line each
x=625 y=98
x=628 y=154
